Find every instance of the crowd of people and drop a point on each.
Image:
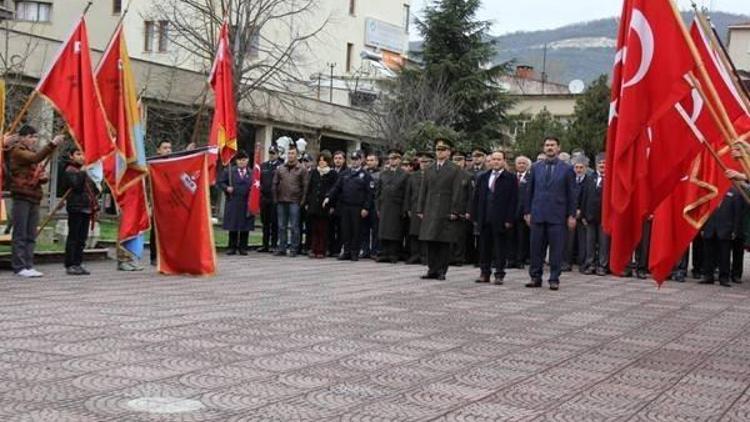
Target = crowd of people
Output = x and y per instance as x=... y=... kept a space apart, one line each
x=438 y=208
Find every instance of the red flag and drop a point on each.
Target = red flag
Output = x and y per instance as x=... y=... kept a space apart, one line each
x=651 y=63
x=253 y=204
x=679 y=217
x=224 y=126
x=182 y=215
x=69 y=85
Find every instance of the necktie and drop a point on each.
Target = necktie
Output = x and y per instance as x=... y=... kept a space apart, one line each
x=548 y=176
x=520 y=176
x=578 y=179
x=493 y=180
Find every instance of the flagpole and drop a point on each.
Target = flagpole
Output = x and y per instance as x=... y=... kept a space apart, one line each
x=723 y=117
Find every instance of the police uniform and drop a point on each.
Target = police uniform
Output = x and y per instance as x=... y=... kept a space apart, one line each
x=352 y=194
x=267 y=207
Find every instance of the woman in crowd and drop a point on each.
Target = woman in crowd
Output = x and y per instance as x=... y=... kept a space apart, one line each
x=322 y=179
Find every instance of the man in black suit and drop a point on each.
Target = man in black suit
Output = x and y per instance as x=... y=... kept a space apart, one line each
x=519 y=250
x=718 y=232
x=597 y=242
x=575 y=247
x=494 y=209
x=550 y=212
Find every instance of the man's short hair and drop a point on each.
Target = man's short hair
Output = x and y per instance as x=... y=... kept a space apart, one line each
x=581 y=159
x=27 y=130
x=601 y=157
x=162 y=142
x=552 y=138
x=339 y=152
x=499 y=151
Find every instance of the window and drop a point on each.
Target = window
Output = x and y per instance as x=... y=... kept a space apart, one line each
x=407 y=17
x=349 y=54
x=352 y=7
x=148 y=36
x=163 y=36
x=116 y=7
x=33 y=11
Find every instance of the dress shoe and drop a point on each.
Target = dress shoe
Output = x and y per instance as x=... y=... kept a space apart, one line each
x=736 y=280
x=601 y=272
x=534 y=284
x=627 y=273
x=382 y=259
x=642 y=274
x=429 y=276
x=588 y=271
x=696 y=274
x=414 y=260
x=279 y=253
x=483 y=279
x=498 y=281
x=291 y=254
x=554 y=285
x=679 y=278
x=707 y=280
x=566 y=268
x=83 y=270
x=73 y=270
x=262 y=250
x=440 y=277
x=232 y=252
x=343 y=257
x=725 y=283
x=243 y=252
x=355 y=257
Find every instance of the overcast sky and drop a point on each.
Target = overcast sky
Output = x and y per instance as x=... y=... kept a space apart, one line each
x=530 y=15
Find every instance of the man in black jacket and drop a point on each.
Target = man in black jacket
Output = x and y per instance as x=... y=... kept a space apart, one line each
x=267 y=207
x=597 y=242
x=81 y=205
x=494 y=209
x=718 y=232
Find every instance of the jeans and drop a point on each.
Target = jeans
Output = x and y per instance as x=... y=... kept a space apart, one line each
x=25 y=220
x=288 y=217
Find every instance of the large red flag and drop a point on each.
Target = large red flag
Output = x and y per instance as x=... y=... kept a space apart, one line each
x=69 y=85
x=224 y=126
x=182 y=214
x=679 y=217
x=253 y=200
x=651 y=63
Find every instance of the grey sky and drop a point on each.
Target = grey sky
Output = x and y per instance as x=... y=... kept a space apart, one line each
x=530 y=15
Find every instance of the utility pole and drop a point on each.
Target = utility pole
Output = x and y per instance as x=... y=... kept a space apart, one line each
x=332 y=66
x=544 y=68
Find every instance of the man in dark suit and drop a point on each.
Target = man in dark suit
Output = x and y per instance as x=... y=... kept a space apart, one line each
x=718 y=232
x=440 y=208
x=519 y=250
x=575 y=247
x=494 y=209
x=550 y=212
x=597 y=242
x=267 y=207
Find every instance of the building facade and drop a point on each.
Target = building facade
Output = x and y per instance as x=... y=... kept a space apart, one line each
x=739 y=50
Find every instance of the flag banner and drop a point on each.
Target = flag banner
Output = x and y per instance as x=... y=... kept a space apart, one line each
x=182 y=214
x=649 y=79
x=224 y=126
x=70 y=87
x=126 y=168
x=253 y=205
x=681 y=215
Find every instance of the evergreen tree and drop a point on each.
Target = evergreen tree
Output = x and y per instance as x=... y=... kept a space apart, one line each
x=589 y=128
x=458 y=49
x=531 y=137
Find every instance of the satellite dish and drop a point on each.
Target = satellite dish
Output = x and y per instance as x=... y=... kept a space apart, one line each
x=576 y=86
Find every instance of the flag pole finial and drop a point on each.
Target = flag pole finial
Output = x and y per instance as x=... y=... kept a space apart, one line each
x=88 y=6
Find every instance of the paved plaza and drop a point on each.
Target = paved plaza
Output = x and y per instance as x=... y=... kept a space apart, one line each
x=280 y=339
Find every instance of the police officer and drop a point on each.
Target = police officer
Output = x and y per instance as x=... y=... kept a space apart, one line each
x=267 y=207
x=352 y=197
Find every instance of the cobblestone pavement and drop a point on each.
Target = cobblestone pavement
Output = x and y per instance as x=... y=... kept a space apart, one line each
x=299 y=339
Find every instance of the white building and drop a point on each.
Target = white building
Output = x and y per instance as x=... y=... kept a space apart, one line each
x=359 y=41
x=739 y=49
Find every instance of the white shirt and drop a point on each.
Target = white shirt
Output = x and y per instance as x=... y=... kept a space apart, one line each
x=493 y=176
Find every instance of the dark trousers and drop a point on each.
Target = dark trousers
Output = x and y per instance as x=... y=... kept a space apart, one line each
x=698 y=255
x=351 y=229
x=738 y=258
x=270 y=224
x=717 y=252
x=390 y=249
x=334 y=234
x=680 y=269
x=23 y=240
x=370 y=241
x=597 y=247
x=78 y=232
x=318 y=235
x=238 y=240
x=417 y=249
x=493 y=249
x=641 y=253
x=518 y=252
x=458 y=247
x=438 y=257
x=543 y=234
x=152 y=248
x=472 y=244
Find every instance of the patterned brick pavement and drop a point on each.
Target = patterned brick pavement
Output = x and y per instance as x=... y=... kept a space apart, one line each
x=367 y=342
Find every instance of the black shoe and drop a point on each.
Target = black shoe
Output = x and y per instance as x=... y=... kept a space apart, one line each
x=279 y=253
x=343 y=257
x=641 y=274
x=413 y=260
x=554 y=285
x=601 y=272
x=440 y=277
x=382 y=259
x=696 y=274
x=706 y=280
x=483 y=279
x=291 y=254
x=355 y=258
x=232 y=252
x=725 y=283
x=73 y=270
x=262 y=250
x=534 y=284
x=498 y=281
x=566 y=268
x=588 y=271
x=243 y=252
x=679 y=278
x=429 y=276
x=627 y=273
x=83 y=270
x=736 y=280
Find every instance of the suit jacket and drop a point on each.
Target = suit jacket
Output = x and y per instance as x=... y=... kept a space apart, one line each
x=440 y=196
x=726 y=219
x=551 y=201
x=591 y=200
x=523 y=193
x=496 y=208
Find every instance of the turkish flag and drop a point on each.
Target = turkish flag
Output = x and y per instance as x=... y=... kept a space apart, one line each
x=182 y=214
x=253 y=200
x=224 y=126
x=680 y=216
x=651 y=63
x=70 y=86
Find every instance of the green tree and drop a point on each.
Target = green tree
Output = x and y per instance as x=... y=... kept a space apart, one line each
x=531 y=133
x=422 y=136
x=589 y=128
x=457 y=49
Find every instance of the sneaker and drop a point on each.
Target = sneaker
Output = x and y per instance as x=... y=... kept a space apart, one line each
x=73 y=270
x=83 y=270
x=128 y=266
x=24 y=273
x=35 y=273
